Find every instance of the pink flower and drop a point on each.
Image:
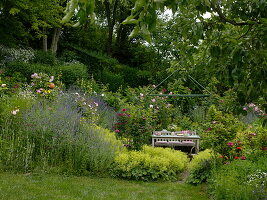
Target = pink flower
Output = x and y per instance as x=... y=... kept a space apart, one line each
x=251 y=105
x=256 y=108
x=120 y=114
x=252 y=134
x=245 y=108
x=230 y=144
x=170 y=93
x=164 y=90
x=243 y=157
x=153 y=100
x=209 y=129
x=117 y=131
x=35 y=75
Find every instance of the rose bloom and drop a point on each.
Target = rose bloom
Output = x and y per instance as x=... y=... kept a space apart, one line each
x=238 y=148
x=230 y=144
x=263 y=148
x=236 y=157
x=123 y=109
x=117 y=131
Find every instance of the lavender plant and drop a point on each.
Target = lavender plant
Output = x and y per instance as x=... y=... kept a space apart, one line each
x=58 y=134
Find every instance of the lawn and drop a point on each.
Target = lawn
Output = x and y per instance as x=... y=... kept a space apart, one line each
x=43 y=186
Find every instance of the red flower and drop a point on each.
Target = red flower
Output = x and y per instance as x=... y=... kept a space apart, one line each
x=123 y=109
x=120 y=114
x=263 y=148
x=236 y=157
x=238 y=148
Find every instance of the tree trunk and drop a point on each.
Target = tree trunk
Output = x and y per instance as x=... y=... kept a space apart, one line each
x=111 y=18
x=44 y=40
x=55 y=40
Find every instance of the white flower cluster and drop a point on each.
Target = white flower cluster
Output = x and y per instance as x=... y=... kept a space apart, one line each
x=16 y=54
x=258 y=179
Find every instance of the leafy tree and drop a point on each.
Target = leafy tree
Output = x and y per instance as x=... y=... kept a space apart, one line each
x=32 y=20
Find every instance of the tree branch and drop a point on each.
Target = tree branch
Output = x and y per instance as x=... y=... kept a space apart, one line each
x=218 y=9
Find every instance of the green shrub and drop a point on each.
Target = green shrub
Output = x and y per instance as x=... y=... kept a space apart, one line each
x=114 y=81
x=28 y=69
x=72 y=72
x=236 y=181
x=44 y=57
x=150 y=164
x=200 y=167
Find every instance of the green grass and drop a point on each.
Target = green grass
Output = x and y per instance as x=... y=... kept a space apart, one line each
x=43 y=186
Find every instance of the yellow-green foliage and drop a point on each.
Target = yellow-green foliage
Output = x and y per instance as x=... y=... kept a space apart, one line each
x=150 y=164
x=108 y=137
x=198 y=159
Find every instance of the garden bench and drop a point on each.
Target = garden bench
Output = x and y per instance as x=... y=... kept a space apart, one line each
x=171 y=139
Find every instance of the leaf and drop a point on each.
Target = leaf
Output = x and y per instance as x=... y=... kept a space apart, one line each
x=14 y=11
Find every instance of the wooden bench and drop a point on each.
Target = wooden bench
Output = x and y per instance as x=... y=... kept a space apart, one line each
x=166 y=138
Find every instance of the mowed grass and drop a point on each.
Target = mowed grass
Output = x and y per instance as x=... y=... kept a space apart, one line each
x=55 y=187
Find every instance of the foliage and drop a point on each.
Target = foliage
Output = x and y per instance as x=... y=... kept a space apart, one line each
x=44 y=57
x=253 y=141
x=200 y=167
x=44 y=86
x=235 y=180
x=134 y=124
x=54 y=135
x=27 y=69
x=71 y=72
x=150 y=164
x=15 y=54
x=114 y=81
x=11 y=84
x=220 y=130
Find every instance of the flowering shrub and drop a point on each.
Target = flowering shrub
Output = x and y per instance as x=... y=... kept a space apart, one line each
x=253 y=141
x=236 y=180
x=150 y=164
x=254 y=113
x=44 y=86
x=95 y=110
x=134 y=124
x=221 y=130
x=15 y=54
x=259 y=181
